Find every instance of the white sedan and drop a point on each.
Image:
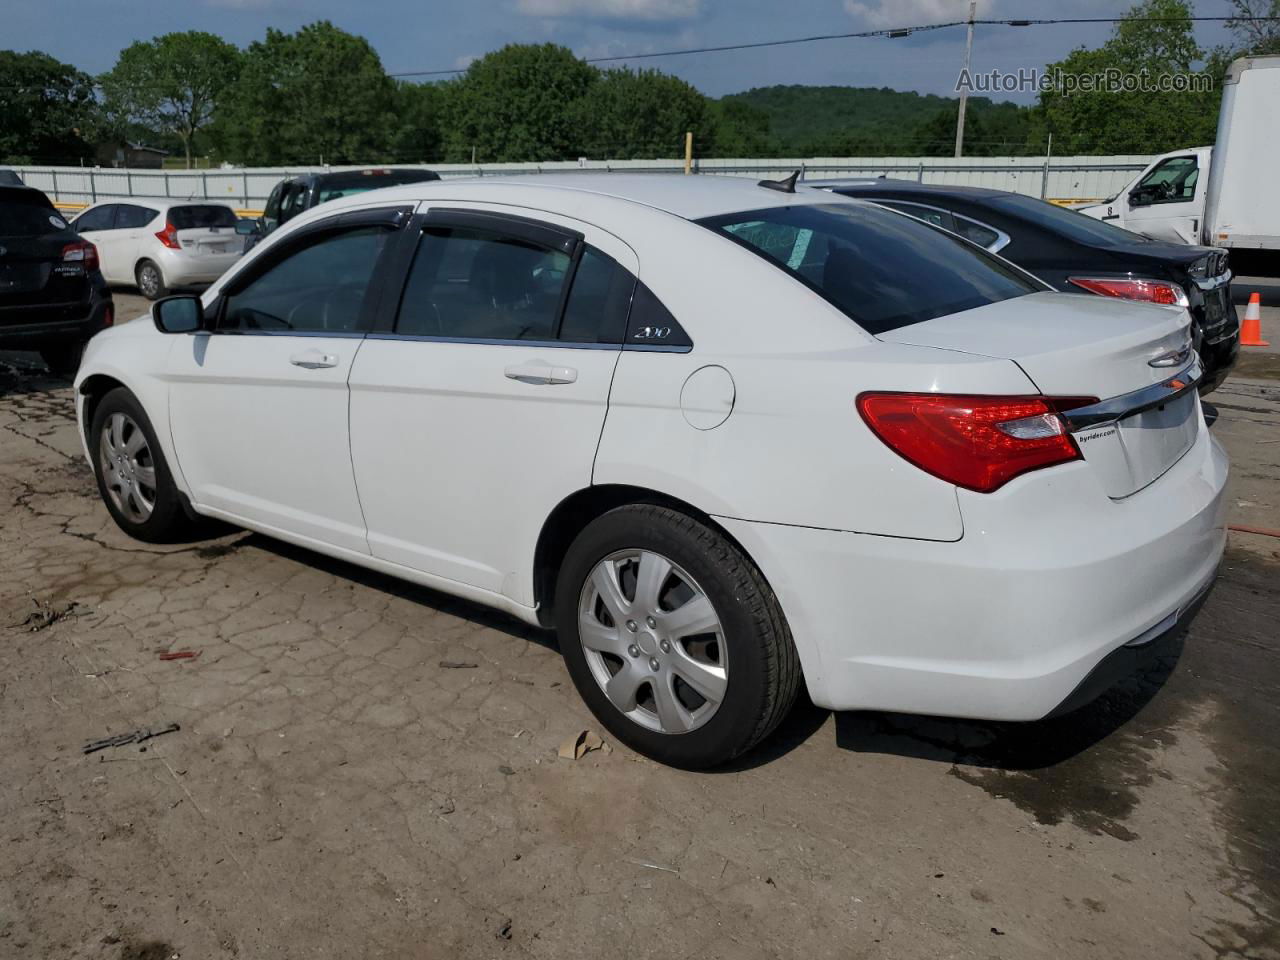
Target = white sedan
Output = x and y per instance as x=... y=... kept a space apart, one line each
x=726 y=438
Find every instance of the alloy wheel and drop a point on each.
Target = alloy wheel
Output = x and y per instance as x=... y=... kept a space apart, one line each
x=653 y=641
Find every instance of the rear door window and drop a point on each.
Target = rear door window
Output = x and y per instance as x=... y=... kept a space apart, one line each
x=882 y=270
x=939 y=218
x=474 y=284
x=202 y=216
x=130 y=216
x=596 y=311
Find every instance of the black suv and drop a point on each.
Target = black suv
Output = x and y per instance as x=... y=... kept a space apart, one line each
x=1073 y=252
x=290 y=197
x=52 y=295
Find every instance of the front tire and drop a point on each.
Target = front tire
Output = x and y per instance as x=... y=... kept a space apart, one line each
x=673 y=638
x=151 y=281
x=133 y=477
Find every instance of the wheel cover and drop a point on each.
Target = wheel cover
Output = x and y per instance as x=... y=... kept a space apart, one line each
x=653 y=641
x=128 y=467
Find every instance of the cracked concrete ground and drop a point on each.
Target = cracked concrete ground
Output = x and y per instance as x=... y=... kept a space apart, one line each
x=335 y=792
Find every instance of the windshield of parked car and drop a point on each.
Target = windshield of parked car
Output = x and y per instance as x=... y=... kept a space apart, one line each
x=371 y=181
x=22 y=216
x=882 y=269
x=1079 y=227
x=201 y=216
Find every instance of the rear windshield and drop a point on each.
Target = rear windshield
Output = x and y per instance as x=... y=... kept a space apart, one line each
x=882 y=269
x=334 y=189
x=29 y=218
x=201 y=216
x=1074 y=226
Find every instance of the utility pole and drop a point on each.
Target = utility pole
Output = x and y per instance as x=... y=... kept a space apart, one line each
x=964 y=92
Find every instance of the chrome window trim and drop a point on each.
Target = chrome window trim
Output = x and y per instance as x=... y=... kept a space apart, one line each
x=1002 y=239
x=542 y=343
x=1126 y=405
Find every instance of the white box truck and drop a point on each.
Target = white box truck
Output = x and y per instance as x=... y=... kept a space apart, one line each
x=1227 y=195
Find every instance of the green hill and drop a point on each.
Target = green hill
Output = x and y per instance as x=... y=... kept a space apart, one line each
x=877 y=121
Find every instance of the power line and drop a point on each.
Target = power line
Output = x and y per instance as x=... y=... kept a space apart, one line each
x=894 y=33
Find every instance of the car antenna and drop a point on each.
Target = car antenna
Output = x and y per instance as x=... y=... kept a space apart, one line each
x=782 y=186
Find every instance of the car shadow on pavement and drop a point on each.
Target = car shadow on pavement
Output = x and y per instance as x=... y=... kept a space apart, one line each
x=393 y=586
x=1011 y=746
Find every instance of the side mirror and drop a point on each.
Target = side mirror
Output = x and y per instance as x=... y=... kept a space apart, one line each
x=178 y=314
x=248 y=228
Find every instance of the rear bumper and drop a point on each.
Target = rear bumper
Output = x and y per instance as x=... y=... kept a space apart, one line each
x=31 y=327
x=1050 y=577
x=182 y=268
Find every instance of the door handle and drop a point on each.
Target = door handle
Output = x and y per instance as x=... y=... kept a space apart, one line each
x=538 y=372
x=314 y=360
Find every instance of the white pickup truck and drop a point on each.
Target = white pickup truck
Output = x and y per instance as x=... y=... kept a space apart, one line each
x=1227 y=195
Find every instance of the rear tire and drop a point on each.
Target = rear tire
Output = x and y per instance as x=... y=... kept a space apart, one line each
x=133 y=476
x=714 y=627
x=63 y=359
x=151 y=281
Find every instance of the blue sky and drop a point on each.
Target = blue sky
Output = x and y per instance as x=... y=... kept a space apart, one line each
x=434 y=34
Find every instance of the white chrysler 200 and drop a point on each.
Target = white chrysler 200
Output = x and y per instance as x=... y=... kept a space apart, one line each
x=725 y=437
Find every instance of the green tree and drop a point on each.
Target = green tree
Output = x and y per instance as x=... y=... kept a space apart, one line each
x=641 y=115
x=47 y=109
x=1155 y=39
x=171 y=84
x=514 y=104
x=741 y=130
x=319 y=95
x=1256 y=36
x=418 y=127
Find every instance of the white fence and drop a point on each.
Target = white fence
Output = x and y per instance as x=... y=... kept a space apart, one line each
x=1059 y=178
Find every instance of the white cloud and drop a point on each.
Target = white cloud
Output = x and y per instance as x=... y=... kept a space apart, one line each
x=612 y=9
x=882 y=14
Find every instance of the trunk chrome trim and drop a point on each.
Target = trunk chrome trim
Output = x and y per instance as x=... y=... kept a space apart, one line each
x=1125 y=405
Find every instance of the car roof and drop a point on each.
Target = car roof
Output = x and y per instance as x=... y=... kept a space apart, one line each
x=161 y=203
x=688 y=197
x=870 y=187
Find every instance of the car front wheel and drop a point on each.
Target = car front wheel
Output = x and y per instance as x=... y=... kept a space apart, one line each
x=673 y=638
x=133 y=477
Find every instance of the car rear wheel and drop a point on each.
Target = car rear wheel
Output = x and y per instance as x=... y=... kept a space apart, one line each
x=133 y=477
x=151 y=281
x=63 y=359
x=673 y=638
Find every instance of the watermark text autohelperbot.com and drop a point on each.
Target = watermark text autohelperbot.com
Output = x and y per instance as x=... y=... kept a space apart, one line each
x=1111 y=80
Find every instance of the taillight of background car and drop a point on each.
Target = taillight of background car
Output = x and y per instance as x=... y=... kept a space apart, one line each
x=82 y=252
x=1152 y=291
x=169 y=237
x=976 y=442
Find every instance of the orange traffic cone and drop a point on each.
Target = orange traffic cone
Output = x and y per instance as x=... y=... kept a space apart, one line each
x=1251 y=329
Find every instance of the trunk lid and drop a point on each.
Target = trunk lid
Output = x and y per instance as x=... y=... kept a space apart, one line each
x=1078 y=345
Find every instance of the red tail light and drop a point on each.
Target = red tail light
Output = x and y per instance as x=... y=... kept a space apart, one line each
x=1152 y=291
x=980 y=443
x=169 y=237
x=82 y=251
